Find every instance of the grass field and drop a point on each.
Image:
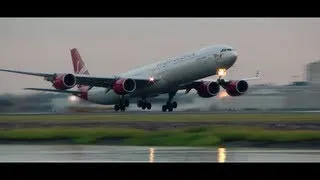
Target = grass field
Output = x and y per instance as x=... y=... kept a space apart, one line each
x=190 y=136
x=301 y=117
x=200 y=136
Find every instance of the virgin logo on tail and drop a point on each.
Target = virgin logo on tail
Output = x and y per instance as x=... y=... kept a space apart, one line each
x=83 y=69
x=79 y=66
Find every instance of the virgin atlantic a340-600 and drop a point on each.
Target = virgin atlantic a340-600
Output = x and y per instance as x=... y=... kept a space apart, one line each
x=163 y=77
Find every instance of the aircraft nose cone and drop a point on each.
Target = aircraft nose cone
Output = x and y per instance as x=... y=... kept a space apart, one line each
x=233 y=57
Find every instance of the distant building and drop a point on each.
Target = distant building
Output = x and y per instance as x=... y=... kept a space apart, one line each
x=313 y=72
x=257 y=98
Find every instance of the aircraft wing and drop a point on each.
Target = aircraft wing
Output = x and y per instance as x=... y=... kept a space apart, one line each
x=257 y=76
x=29 y=73
x=89 y=80
x=108 y=81
x=195 y=84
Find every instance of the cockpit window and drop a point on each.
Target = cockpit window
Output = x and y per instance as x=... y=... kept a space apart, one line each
x=223 y=50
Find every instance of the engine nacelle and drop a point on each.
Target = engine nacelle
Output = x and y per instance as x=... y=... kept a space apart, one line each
x=237 y=88
x=124 y=86
x=64 y=81
x=208 y=89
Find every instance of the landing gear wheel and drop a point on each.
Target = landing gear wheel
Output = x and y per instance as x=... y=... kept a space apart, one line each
x=169 y=104
x=140 y=103
x=174 y=104
x=121 y=105
x=126 y=103
x=122 y=108
x=143 y=104
x=164 y=108
x=116 y=107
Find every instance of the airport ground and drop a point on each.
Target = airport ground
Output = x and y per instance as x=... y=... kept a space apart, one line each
x=287 y=129
x=152 y=154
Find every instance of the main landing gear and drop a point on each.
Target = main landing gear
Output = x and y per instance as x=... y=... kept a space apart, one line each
x=170 y=105
x=143 y=104
x=122 y=105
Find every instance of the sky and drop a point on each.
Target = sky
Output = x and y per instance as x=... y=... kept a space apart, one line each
x=279 y=48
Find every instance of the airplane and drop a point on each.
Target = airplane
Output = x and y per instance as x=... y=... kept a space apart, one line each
x=184 y=72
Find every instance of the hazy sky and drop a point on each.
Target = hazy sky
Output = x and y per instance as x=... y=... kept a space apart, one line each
x=280 y=48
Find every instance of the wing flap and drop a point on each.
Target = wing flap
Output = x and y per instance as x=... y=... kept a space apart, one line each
x=108 y=81
x=190 y=86
x=94 y=81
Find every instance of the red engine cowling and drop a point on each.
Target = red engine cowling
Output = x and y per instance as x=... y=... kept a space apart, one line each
x=208 y=89
x=124 y=86
x=237 y=88
x=64 y=81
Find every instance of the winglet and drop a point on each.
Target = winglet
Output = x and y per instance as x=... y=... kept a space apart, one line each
x=258 y=74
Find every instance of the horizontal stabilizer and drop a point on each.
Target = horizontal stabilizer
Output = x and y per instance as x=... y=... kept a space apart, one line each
x=27 y=73
x=54 y=90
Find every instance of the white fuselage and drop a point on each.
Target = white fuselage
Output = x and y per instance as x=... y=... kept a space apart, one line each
x=172 y=72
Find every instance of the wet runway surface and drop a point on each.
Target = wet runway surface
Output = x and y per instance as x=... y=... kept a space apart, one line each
x=92 y=153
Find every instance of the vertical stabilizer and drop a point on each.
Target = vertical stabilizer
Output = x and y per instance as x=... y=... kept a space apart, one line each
x=79 y=66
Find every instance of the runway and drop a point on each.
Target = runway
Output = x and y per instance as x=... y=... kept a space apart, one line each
x=210 y=112
x=133 y=112
x=94 y=153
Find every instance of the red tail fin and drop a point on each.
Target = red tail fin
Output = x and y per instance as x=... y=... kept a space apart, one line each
x=79 y=66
